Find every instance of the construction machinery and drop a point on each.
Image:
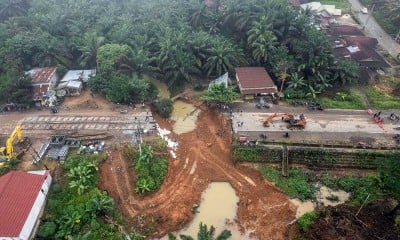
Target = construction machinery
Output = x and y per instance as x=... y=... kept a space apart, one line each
x=293 y=122
x=7 y=152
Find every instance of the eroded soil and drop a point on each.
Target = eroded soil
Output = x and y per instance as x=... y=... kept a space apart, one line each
x=202 y=157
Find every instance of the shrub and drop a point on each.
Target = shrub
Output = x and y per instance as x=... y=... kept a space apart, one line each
x=381 y=100
x=47 y=229
x=296 y=185
x=307 y=220
x=164 y=107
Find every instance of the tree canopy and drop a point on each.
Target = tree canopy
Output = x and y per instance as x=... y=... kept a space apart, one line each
x=176 y=41
x=219 y=93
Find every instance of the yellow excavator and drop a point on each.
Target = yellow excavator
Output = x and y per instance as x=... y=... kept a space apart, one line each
x=7 y=152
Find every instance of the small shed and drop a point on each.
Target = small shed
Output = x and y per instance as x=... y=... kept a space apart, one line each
x=254 y=81
x=71 y=88
x=78 y=75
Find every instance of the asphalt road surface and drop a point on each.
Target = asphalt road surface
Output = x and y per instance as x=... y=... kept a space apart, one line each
x=373 y=29
x=323 y=127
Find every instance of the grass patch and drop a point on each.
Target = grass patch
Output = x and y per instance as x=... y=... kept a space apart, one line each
x=381 y=100
x=342 y=4
x=297 y=185
x=343 y=100
x=359 y=187
x=307 y=220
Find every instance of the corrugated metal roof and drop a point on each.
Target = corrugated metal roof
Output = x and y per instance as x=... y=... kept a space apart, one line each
x=254 y=80
x=82 y=75
x=18 y=192
x=42 y=75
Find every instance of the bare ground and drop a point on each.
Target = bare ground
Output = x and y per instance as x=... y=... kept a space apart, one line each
x=202 y=157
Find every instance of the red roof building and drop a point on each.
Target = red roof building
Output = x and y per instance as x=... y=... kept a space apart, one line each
x=254 y=81
x=22 y=199
x=43 y=80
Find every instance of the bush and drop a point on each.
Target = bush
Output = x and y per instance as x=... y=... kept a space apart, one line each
x=47 y=229
x=296 y=185
x=329 y=181
x=307 y=220
x=164 y=107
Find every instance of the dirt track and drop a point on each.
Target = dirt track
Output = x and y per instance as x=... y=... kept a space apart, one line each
x=202 y=157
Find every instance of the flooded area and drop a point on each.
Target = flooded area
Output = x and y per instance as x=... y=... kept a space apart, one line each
x=324 y=197
x=185 y=117
x=218 y=208
x=329 y=197
x=303 y=207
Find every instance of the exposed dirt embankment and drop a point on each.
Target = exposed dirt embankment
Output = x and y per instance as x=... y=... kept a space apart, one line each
x=203 y=156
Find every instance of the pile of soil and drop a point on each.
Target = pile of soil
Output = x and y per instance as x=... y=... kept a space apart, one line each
x=341 y=222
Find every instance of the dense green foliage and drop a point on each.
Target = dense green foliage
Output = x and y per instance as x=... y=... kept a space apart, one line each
x=175 y=41
x=382 y=100
x=78 y=212
x=359 y=187
x=164 y=107
x=218 y=93
x=307 y=220
x=151 y=170
x=9 y=165
x=296 y=185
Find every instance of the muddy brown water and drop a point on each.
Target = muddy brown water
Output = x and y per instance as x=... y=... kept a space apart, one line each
x=162 y=87
x=217 y=208
x=322 y=195
x=185 y=117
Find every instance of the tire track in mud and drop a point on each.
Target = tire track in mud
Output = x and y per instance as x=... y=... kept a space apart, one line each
x=201 y=159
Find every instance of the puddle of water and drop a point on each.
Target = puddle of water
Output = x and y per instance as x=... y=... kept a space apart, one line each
x=303 y=207
x=325 y=192
x=218 y=208
x=162 y=87
x=322 y=194
x=185 y=116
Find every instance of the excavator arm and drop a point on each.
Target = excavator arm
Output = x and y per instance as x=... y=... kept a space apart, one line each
x=10 y=141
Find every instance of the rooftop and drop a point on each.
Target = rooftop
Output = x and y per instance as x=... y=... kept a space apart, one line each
x=18 y=192
x=253 y=79
x=345 y=30
x=42 y=75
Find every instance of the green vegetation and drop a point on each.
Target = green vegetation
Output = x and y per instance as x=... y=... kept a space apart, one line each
x=246 y=154
x=381 y=100
x=296 y=185
x=359 y=187
x=204 y=234
x=72 y=213
x=151 y=170
x=164 y=107
x=307 y=220
x=175 y=41
x=342 y=100
x=9 y=165
x=218 y=93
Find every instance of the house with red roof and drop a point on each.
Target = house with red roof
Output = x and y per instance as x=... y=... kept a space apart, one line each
x=43 y=80
x=22 y=200
x=254 y=81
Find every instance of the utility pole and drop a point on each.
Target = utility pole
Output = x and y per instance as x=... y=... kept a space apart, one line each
x=369 y=14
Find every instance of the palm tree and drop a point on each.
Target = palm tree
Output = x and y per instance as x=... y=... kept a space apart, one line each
x=207 y=234
x=261 y=39
x=223 y=56
x=11 y=8
x=91 y=42
x=296 y=81
x=136 y=61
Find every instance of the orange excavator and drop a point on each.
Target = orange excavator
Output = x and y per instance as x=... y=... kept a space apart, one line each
x=294 y=123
